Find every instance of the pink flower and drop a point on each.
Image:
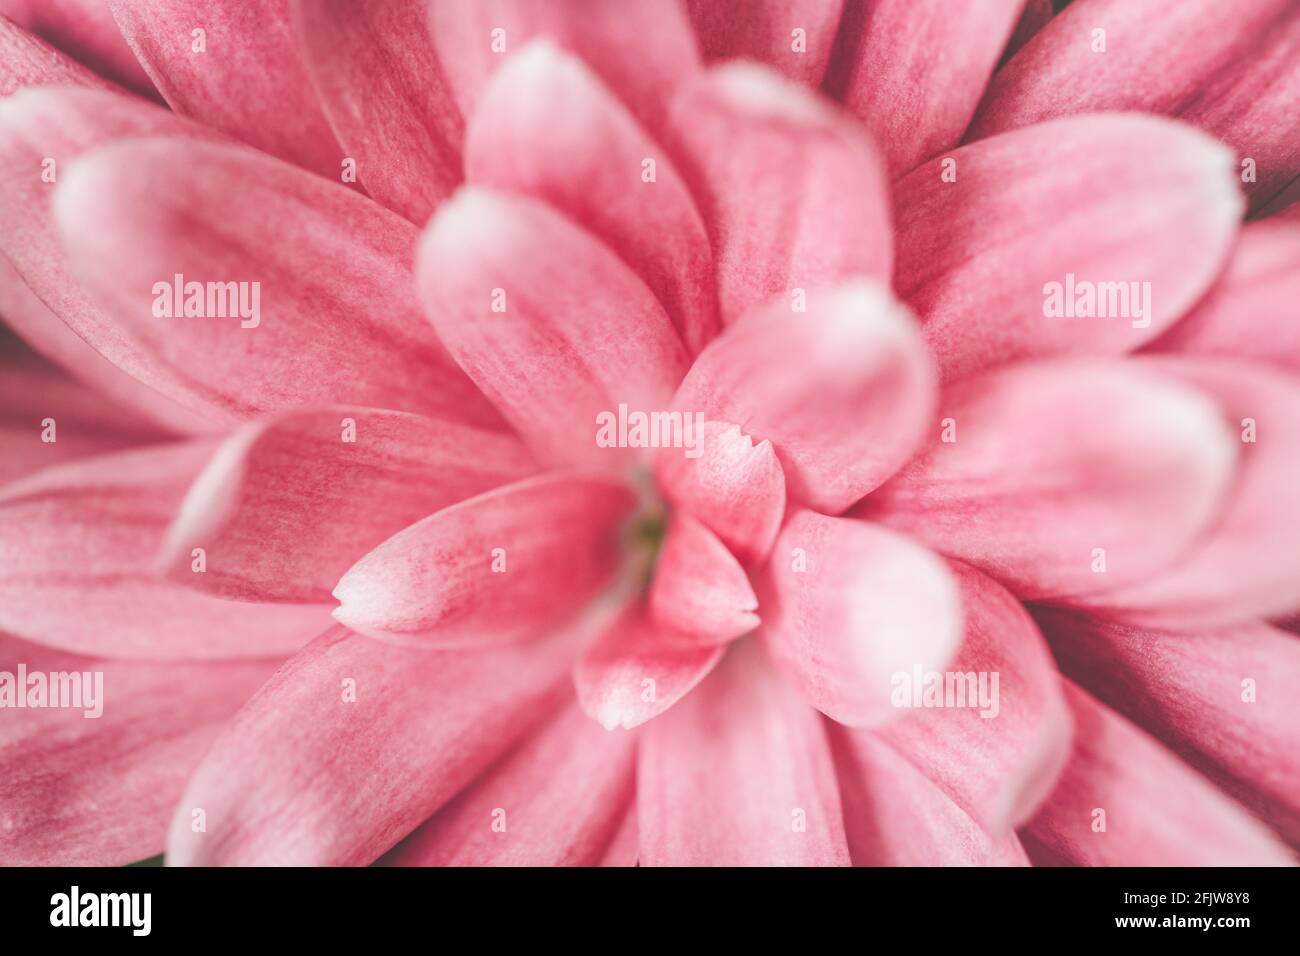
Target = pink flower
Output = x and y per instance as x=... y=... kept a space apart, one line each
x=728 y=431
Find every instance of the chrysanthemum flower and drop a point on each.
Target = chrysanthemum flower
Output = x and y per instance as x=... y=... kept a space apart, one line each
x=716 y=432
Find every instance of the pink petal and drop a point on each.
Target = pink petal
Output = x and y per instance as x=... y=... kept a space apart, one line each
x=1064 y=203
x=28 y=60
x=739 y=774
x=844 y=393
x=533 y=134
x=792 y=193
x=699 y=588
x=558 y=799
x=1036 y=15
x=580 y=334
x=1118 y=769
x=375 y=69
x=37 y=294
x=290 y=502
x=999 y=755
x=77 y=546
x=765 y=30
x=1188 y=689
x=38 y=402
x=638 y=669
x=354 y=743
x=82 y=29
x=340 y=323
x=1248 y=312
x=734 y=487
x=622 y=850
x=896 y=816
x=1051 y=461
x=641 y=51
x=1247 y=565
x=247 y=80
x=98 y=791
x=913 y=70
x=1229 y=75
x=848 y=605
x=496 y=566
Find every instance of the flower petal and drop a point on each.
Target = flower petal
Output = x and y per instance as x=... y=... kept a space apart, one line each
x=558 y=799
x=284 y=783
x=1229 y=75
x=792 y=36
x=844 y=393
x=847 y=605
x=375 y=69
x=913 y=70
x=641 y=51
x=550 y=324
x=340 y=324
x=792 y=192
x=38 y=296
x=98 y=791
x=896 y=816
x=739 y=774
x=1068 y=218
x=500 y=565
x=998 y=744
x=699 y=588
x=533 y=134
x=77 y=546
x=637 y=669
x=1112 y=806
x=1063 y=477
x=86 y=31
x=47 y=418
x=1248 y=312
x=1247 y=565
x=28 y=60
x=1190 y=690
x=235 y=68
x=292 y=501
x=733 y=486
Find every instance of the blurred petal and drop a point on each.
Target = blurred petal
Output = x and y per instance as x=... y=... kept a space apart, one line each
x=1065 y=477
x=234 y=67
x=77 y=547
x=353 y=743
x=1112 y=806
x=733 y=486
x=739 y=774
x=1247 y=564
x=844 y=392
x=558 y=799
x=291 y=502
x=792 y=192
x=913 y=70
x=641 y=50
x=895 y=816
x=638 y=669
x=501 y=565
x=1058 y=239
x=376 y=71
x=550 y=324
x=1248 y=313
x=699 y=588
x=1190 y=690
x=99 y=791
x=336 y=322
x=38 y=296
x=547 y=128
x=792 y=36
x=847 y=605
x=998 y=751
